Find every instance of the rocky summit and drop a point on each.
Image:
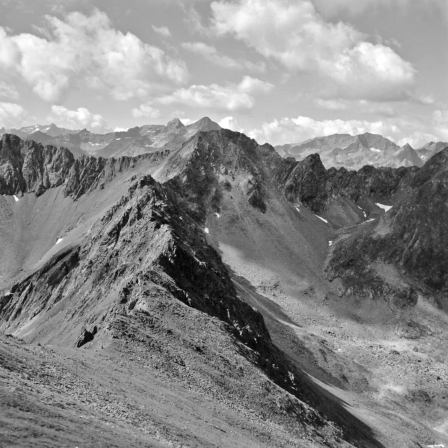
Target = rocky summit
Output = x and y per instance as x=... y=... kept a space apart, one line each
x=209 y=292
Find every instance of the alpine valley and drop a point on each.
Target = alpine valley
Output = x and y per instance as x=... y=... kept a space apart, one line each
x=184 y=286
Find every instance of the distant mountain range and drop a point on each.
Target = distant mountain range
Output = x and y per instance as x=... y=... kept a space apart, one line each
x=337 y=150
x=354 y=152
x=133 y=142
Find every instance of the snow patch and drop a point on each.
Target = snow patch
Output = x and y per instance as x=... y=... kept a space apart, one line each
x=16 y=198
x=330 y=243
x=384 y=207
x=322 y=219
x=59 y=240
x=217 y=215
x=298 y=209
x=375 y=149
x=206 y=230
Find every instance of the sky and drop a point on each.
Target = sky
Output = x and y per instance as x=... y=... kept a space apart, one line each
x=281 y=71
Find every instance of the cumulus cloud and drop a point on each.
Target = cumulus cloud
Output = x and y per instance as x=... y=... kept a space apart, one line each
x=162 y=31
x=297 y=36
x=230 y=123
x=8 y=91
x=440 y=118
x=145 y=110
x=80 y=117
x=85 y=51
x=230 y=97
x=401 y=131
x=12 y=115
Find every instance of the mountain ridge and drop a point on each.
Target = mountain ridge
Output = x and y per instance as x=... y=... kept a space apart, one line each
x=205 y=264
x=355 y=151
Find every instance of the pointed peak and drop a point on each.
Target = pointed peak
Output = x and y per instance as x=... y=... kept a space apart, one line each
x=175 y=123
x=205 y=124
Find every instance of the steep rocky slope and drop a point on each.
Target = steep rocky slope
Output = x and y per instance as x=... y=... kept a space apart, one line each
x=209 y=285
x=129 y=280
x=410 y=238
x=344 y=150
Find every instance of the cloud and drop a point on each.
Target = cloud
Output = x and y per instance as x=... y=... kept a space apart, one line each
x=85 y=51
x=80 y=117
x=162 y=31
x=401 y=131
x=12 y=115
x=331 y=8
x=8 y=91
x=230 y=123
x=299 y=38
x=212 y=55
x=358 y=105
x=230 y=97
x=331 y=104
x=145 y=110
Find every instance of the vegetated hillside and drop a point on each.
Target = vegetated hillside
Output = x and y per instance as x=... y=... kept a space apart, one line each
x=343 y=150
x=210 y=287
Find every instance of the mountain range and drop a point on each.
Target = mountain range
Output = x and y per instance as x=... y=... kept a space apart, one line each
x=210 y=292
x=338 y=150
x=344 y=150
x=133 y=142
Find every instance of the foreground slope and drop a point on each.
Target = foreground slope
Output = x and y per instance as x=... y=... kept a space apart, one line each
x=140 y=284
x=135 y=259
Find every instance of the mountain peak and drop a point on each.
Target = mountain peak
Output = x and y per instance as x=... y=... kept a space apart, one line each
x=175 y=123
x=205 y=124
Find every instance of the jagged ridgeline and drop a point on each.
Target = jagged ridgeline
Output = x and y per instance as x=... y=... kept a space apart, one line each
x=116 y=253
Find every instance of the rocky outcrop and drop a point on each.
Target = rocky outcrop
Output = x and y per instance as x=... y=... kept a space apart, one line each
x=26 y=166
x=411 y=238
x=86 y=336
x=29 y=167
x=309 y=182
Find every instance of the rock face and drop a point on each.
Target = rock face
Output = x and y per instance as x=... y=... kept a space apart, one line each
x=409 y=240
x=26 y=166
x=29 y=167
x=343 y=150
x=309 y=182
